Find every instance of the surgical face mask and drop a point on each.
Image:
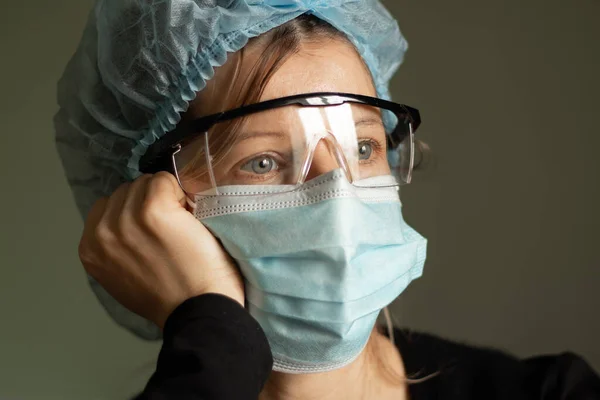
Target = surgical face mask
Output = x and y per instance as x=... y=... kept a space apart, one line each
x=320 y=261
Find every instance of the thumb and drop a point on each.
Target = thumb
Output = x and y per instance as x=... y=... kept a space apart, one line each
x=165 y=186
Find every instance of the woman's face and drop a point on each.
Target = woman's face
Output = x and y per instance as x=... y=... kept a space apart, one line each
x=327 y=66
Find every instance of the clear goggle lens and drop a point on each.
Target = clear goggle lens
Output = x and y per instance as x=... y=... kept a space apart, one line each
x=292 y=144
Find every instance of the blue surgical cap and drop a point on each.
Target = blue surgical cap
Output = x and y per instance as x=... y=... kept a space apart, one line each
x=140 y=63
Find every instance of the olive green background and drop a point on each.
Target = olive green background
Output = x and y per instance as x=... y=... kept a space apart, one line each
x=509 y=94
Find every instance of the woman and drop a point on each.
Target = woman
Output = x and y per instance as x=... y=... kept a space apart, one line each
x=260 y=226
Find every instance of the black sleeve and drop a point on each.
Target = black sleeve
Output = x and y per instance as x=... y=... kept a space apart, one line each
x=456 y=371
x=212 y=349
x=563 y=377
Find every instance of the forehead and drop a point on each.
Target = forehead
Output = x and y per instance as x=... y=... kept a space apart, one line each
x=333 y=66
x=326 y=66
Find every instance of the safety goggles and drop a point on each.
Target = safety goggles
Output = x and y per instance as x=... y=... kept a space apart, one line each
x=290 y=140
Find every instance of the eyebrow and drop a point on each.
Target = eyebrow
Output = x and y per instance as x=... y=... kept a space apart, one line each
x=278 y=135
x=369 y=121
x=251 y=135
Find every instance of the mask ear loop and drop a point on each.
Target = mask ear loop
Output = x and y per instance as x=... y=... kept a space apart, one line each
x=190 y=202
x=209 y=160
x=177 y=148
x=411 y=143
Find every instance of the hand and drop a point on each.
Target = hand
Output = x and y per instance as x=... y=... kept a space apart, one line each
x=150 y=253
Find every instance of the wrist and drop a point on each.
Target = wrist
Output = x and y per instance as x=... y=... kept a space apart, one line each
x=166 y=312
x=237 y=297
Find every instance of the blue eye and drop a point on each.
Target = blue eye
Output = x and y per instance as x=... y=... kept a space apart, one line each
x=365 y=149
x=261 y=165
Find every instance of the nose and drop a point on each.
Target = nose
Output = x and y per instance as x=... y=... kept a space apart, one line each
x=324 y=160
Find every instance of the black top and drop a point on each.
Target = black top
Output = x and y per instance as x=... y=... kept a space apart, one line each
x=214 y=349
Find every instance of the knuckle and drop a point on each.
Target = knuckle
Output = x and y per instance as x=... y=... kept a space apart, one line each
x=151 y=206
x=149 y=213
x=104 y=235
x=84 y=251
x=124 y=186
x=126 y=229
x=121 y=190
x=163 y=175
x=162 y=182
x=144 y=177
x=89 y=259
x=140 y=181
x=98 y=206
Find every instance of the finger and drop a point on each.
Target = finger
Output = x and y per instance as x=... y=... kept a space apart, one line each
x=164 y=189
x=107 y=233
x=95 y=215
x=88 y=249
x=135 y=199
x=114 y=206
x=113 y=236
x=130 y=220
